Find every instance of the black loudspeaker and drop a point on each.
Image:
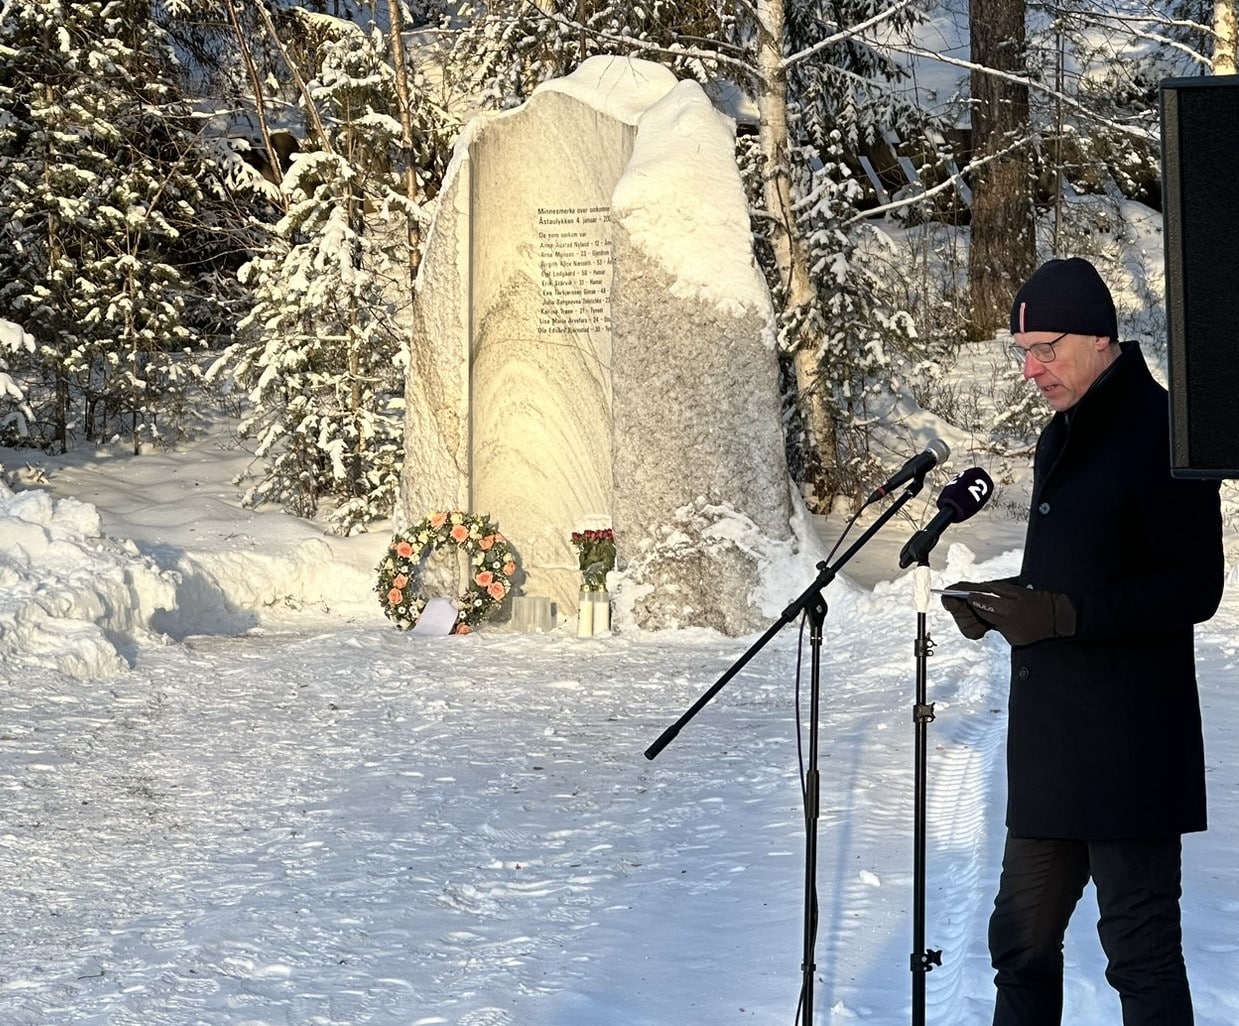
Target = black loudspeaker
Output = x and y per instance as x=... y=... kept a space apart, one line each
x=1200 y=188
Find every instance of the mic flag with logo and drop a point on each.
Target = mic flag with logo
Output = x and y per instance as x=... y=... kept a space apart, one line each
x=961 y=498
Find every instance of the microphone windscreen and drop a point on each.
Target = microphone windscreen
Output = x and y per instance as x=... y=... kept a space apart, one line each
x=966 y=493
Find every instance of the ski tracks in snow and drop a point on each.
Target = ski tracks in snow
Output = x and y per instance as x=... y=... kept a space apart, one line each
x=865 y=880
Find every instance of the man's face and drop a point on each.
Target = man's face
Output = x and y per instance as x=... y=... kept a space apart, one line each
x=1078 y=361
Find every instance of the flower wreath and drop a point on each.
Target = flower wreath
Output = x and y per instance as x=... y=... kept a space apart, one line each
x=491 y=566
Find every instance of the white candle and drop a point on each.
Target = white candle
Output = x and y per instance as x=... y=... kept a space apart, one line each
x=585 y=616
x=602 y=612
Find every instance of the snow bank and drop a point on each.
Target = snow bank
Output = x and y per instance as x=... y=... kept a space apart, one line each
x=225 y=590
x=69 y=597
x=75 y=598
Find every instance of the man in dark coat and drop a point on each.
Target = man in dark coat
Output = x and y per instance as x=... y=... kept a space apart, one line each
x=1105 y=761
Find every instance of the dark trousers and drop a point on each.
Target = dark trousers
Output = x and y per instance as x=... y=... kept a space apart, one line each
x=1138 y=889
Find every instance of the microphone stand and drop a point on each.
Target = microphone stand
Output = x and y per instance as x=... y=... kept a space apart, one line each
x=813 y=605
x=923 y=959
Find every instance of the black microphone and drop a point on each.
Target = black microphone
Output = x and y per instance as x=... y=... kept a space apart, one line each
x=960 y=499
x=917 y=467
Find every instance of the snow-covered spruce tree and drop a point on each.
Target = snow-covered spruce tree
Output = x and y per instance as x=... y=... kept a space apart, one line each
x=427 y=129
x=15 y=414
x=1096 y=71
x=100 y=175
x=322 y=353
x=507 y=47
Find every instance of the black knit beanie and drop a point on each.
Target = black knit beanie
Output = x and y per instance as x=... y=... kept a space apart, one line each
x=1065 y=295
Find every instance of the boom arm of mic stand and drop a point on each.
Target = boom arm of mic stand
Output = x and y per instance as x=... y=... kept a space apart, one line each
x=826 y=574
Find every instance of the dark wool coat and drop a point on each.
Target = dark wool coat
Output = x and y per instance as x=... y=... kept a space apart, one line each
x=1104 y=736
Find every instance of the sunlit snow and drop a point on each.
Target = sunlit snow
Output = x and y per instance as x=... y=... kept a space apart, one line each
x=234 y=794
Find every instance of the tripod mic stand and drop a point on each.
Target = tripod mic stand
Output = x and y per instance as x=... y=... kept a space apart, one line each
x=813 y=605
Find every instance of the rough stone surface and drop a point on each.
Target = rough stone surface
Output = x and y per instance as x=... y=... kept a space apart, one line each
x=436 y=433
x=696 y=422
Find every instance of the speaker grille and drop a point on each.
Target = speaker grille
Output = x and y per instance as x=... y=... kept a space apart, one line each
x=1200 y=179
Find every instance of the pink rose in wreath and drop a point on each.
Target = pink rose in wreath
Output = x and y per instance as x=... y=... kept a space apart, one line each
x=437 y=521
x=404 y=550
x=496 y=590
x=394 y=596
x=460 y=533
x=486 y=543
x=400 y=581
x=509 y=568
x=484 y=579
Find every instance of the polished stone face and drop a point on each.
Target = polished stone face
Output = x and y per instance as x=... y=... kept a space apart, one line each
x=563 y=369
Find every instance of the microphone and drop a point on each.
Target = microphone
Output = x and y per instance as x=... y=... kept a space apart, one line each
x=917 y=467
x=960 y=499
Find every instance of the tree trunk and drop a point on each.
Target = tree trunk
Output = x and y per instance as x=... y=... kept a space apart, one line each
x=260 y=107
x=405 y=96
x=1225 y=31
x=791 y=257
x=317 y=129
x=1004 y=249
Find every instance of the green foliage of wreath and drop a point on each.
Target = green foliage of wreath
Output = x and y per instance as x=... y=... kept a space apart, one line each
x=491 y=566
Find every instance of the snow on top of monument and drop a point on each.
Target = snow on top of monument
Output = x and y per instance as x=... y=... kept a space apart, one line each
x=682 y=202
x=624 y=88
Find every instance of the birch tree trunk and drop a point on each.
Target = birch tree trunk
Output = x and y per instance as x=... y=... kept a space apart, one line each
x=791 y=256
x=1225 y=31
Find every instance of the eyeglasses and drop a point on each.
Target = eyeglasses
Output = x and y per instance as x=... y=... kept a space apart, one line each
x=1043 y=352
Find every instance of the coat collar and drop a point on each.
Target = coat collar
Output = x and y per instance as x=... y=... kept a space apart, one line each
x=1104 y=403
x=1112 y=389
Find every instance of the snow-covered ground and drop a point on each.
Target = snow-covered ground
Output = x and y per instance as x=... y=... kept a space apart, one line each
x=234 y=795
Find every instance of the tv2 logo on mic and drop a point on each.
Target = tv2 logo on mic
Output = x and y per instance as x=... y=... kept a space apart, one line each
x=978 y=488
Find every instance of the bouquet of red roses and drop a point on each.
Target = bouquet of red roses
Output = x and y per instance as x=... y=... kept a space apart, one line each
x=596 y=556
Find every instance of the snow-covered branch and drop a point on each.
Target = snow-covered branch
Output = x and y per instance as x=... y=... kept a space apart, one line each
x=1141 y=132
x=637 y=47
x=851 y=32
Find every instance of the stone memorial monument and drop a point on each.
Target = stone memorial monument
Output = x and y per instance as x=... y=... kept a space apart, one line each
x=594 y=344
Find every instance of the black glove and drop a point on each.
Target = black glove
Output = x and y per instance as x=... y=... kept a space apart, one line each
x=970 y=626
x=1022 y=615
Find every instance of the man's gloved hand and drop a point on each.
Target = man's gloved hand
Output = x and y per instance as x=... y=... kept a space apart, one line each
x=970 y=626
x=1021 y=615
